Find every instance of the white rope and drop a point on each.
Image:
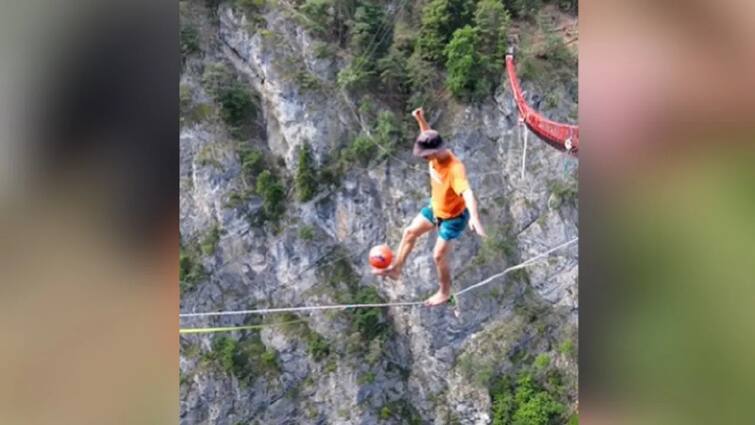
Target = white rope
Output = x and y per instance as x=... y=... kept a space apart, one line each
x=524 y=149
x=516 y=267
x=396 y=304
x=307 y=308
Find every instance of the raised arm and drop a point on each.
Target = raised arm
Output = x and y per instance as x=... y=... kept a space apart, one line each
x=419 y=115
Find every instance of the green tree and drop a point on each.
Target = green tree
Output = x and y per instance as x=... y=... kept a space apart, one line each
x=306 y=174
x=463 y=64
x=357 y=75
x=236 y=106
x=491 y=24
x=190 y=269
x=394 y=73
x=320 y=19
x=387 y=132
x=440 y=18
x=329 y=19
x=370 y=39
x=523 y=8
x=526 y=402
x=252 y=162
x=474 y=56
x=370 y=32
x=422 y=77
x=370 y=322
x=361 y=150
x=189 y=40
x=272 y=193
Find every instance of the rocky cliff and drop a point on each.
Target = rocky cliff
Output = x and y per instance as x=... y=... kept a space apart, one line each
x=251 y=239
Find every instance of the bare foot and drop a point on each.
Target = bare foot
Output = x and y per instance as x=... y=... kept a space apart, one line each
x=439 y=298
x=390 y=271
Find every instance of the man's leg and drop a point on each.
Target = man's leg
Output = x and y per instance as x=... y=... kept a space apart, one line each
x=418 y=227
x=440 y=256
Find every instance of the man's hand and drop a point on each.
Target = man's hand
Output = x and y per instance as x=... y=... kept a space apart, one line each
x=474 y=224
x=419 y=115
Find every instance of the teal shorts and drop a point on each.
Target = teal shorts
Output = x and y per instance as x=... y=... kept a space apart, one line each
x=448 y=228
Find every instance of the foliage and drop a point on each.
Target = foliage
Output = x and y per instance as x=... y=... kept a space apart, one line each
x=542 y=361
x=184 y=97
x=208 y=156
x=192 y=113
x=323 y=50
x=319 y=18
x=366 y=323
x=551 y=66
x=317 y=346
x=370 y=322
x=400 y=410
x=463 y=64
x=523 y=8
x=566 y=348
x=440 y=18
x=558 y=53
x=394 y=72
x=498 y=244
x=387 y=132
x=565 y=192
x=491 y=24
x=210 y=241
x=422 y=78
x=357 y=75
x=491 y=27
x=273 y=195
x=305 y=180
x=370 y=31
x=306 y=80
x=189 y=40
x=252 y=162
x=246 y=358
x=385 y=413
x=237 y=107
x=215 y=76
x=190 y=268
x=569 y=5
x=366 y=378
x=474 y=54
x=306 y=233
x=251 y=5
x=328 y=19
x=525 y=402
x=361 y=150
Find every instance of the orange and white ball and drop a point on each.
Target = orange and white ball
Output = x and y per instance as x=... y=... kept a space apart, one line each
x=381 y=256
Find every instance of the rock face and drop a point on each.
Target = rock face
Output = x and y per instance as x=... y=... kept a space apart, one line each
x=426 y=365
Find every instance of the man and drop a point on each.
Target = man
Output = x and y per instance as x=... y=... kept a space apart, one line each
x=452 y=206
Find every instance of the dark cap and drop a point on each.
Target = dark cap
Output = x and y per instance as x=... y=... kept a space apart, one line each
x=428 y=142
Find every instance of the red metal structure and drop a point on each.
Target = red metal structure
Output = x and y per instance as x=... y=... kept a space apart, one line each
x=564 y=137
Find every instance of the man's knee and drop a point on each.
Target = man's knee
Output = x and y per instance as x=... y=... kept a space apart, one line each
x=439 y=256
x=411 y=233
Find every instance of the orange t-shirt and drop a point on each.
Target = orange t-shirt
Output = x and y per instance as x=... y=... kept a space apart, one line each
x=448 y=180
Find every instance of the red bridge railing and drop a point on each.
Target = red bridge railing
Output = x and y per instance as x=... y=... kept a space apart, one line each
x=562 y=136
